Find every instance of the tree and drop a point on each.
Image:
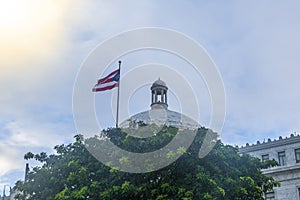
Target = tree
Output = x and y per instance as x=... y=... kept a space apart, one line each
x=73 y=173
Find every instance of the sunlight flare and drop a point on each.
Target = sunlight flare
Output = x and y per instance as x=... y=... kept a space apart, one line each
x=29 y=29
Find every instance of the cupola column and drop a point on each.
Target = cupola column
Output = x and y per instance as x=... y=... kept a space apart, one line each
x=152 y=97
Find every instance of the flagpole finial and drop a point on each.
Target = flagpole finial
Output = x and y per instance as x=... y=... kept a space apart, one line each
x=120 y=61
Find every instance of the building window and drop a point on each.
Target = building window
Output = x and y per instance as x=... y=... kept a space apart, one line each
x=297 y=155
x=281 y=158
x=265 y=157
x=270 y=196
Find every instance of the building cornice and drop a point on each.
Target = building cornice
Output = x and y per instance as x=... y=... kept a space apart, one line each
x=280 y=169
x=270 y=144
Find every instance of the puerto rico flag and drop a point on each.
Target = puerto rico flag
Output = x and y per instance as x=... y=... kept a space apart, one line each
x=109 y=82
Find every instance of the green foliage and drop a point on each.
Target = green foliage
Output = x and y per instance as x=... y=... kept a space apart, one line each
x=73 y=173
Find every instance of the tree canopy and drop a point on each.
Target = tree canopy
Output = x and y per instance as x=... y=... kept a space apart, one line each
x=73 y=173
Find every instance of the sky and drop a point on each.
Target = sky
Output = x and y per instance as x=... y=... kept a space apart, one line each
x=254 y=45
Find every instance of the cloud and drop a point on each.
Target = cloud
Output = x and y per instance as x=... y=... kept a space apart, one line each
x=7 y=159
x=31 y=31
x=25 y=135
x=45 y=134
x=260 y=72
x=36 y=85
x=254 y=44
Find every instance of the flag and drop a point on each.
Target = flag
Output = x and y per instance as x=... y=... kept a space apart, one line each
x=109 y=82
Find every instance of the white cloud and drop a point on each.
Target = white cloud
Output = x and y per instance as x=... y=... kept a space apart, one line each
x=35 y=135
x=31 y=31
x=254 y=44
x=8 y=159
x=261 y=73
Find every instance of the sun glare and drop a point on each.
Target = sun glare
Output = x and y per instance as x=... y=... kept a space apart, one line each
x=26 y=27
x=13 y=15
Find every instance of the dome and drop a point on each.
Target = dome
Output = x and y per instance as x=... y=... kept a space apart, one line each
x=161 y=116
x=159 y=113
x=159 y=83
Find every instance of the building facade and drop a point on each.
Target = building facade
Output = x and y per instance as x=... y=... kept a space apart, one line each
x=286 y=151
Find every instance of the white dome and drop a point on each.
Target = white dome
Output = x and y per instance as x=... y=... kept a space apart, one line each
x=161 y=116
x=159 y=113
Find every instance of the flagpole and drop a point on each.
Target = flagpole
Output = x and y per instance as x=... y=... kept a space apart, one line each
x=118 y=98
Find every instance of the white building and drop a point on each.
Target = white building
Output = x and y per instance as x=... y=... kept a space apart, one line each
x=287 y=153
